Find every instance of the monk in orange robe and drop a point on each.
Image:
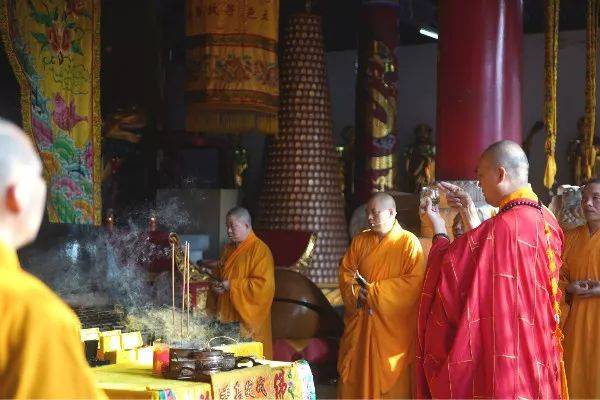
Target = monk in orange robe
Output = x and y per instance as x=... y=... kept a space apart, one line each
x=377 y=347
x=489 y=311
x=41 y=354
x=580 y=278
x=247 y=286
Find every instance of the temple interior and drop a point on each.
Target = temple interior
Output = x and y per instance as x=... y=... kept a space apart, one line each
x=154 y=119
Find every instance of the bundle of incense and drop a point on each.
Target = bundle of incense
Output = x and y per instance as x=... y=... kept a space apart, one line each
x=183 y=281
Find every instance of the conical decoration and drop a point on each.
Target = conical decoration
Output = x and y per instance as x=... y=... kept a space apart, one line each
x=302 y=189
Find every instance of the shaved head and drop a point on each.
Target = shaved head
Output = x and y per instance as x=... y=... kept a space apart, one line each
x=384 y=200
x=22 y=189
x=512 y=158
x=240 y=214
x=381 y=213
x=502 y=169
x=239 y=225
x=17 y=154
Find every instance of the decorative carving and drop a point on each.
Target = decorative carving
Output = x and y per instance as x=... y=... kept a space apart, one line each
x=195 y=275
x=304 y=261
x=380 y=116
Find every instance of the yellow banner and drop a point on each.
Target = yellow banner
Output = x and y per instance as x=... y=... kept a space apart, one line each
x=53 y=47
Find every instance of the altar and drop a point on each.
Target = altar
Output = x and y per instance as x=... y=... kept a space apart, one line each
x=272 y=380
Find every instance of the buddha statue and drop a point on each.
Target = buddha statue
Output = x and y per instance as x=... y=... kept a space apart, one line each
x=420 y=159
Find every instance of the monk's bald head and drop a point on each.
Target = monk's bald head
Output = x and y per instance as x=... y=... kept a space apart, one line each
x=502 y=169
x=510 y=156
x=22 y=189
x=239 y=224
x=16 y=153
x=384 y=200
x=241 y=214
x=381 y=212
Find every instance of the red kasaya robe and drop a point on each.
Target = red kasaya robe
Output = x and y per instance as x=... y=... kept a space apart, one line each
x=487 y=326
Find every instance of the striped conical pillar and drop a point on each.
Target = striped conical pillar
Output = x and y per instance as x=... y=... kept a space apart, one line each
x=302 y=188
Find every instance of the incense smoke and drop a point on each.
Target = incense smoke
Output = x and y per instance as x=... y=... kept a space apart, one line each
x=92 y=267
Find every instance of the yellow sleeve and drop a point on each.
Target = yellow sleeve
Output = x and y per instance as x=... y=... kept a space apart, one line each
x=398 y=295
x=212 y=298
x=565 y=277
x=218 y=271
x=348 y=267
x=47 y=359
x=252 y=295
x=570 y=248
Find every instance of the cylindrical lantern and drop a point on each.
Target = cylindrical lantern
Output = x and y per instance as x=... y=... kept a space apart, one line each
x=232 y=75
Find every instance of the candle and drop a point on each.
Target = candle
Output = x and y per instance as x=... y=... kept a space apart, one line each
x=160 y=358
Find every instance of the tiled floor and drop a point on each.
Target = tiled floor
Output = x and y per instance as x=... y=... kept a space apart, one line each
x=325 y=391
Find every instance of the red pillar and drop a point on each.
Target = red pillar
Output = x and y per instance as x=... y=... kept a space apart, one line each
x=479 y=81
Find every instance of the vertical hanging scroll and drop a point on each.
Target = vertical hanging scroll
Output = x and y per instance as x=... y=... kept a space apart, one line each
x=589 y=153
x=54 y=49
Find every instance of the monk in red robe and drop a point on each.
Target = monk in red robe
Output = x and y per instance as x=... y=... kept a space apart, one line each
x=489 y=312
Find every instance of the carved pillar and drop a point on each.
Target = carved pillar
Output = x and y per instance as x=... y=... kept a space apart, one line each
x=376 y=99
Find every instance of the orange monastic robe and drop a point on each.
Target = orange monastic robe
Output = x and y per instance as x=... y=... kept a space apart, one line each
x=376 y=350
x=250 y=270
x=582 y=324
x=41 y=354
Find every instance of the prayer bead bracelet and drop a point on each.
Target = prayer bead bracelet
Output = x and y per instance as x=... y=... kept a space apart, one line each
x=440 y=235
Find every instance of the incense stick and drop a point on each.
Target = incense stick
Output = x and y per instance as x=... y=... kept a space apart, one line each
x=189 y=299
x=173 y=279
x=182 y=295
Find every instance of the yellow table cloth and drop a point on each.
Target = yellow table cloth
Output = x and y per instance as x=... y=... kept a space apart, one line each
x=275 y=380
x=136 y=381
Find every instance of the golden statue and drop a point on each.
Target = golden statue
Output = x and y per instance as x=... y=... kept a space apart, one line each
x=240 y=164
x=420 y=159
x=576 y=154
